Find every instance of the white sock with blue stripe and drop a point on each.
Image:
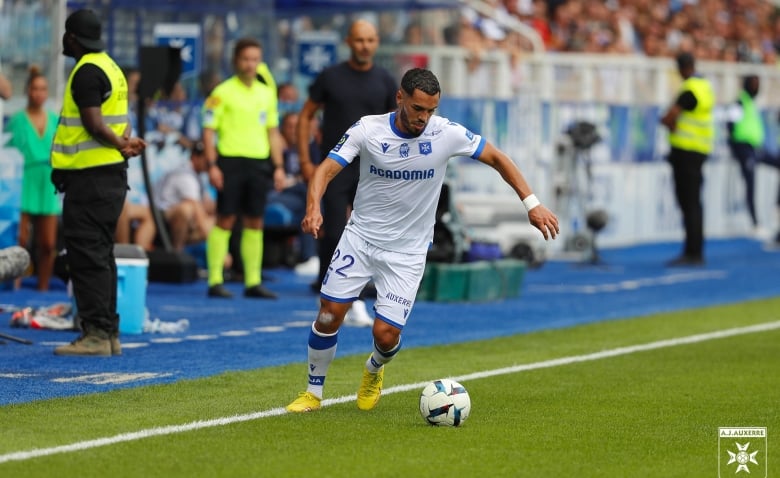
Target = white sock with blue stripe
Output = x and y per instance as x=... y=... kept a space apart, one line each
x=322 y=351
x=379 y=358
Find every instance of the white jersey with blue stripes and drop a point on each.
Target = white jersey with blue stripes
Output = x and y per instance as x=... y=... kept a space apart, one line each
x=401 y=177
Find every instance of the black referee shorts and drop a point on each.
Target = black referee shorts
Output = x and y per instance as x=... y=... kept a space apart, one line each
x=247 y=182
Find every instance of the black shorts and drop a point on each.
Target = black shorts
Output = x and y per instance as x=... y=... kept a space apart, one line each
x=246 y=183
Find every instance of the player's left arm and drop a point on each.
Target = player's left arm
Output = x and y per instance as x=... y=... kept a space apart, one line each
x=539 y=216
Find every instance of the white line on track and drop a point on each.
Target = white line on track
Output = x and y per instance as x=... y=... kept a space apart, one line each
x=217 y=422
x=630 y=284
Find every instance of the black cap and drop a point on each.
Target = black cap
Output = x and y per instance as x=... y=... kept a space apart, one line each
x=685 y=60
x=85 y=25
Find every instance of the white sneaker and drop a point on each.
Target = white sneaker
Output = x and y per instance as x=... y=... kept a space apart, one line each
x=761 y=233
x=357 y=315
x=311 y=267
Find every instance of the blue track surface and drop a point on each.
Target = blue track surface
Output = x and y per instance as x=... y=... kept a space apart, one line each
x=242 y=334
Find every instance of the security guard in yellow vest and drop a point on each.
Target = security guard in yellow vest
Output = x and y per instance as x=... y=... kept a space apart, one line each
x=746 y=137
x=691 y=136
x=89 y=153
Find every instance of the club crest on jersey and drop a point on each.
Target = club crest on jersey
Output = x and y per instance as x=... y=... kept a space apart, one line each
x=341 y=142
x=404 y=150
x=212 y=102
x=425 y=147
x=384 y=147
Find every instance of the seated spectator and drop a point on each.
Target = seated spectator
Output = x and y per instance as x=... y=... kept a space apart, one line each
x=170 y=111
x=136 y=226
x=133 y=77
x=288 y=206
x=289 y=98
x=191 y=130
x=166 y=115
x=187 y=207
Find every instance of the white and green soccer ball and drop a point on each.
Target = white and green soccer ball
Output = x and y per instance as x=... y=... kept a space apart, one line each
x=445 y=402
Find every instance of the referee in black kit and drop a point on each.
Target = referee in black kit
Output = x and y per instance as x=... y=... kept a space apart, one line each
x=89 y=153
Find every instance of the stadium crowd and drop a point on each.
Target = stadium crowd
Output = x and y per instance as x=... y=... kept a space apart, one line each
x=717 y=30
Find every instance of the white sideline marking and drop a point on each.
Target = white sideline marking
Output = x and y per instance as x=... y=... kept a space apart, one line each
x=631 y=284
x=112 y=378
x=201 y=424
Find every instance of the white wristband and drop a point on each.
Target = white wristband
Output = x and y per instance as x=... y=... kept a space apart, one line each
x=531 y=202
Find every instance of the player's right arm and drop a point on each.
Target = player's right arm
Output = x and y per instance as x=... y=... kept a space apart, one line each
x=323 y=174
x=346 y=150
x=303 y=134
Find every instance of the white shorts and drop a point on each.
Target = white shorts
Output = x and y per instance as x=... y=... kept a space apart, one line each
x=396 y=276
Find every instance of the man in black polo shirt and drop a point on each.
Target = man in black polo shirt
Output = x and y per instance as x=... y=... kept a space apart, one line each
x=345 y=92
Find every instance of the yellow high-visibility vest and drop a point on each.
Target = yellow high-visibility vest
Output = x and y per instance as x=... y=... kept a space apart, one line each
x=74 y=147
x=242 y=115
x=695 y=130
x=749 y=129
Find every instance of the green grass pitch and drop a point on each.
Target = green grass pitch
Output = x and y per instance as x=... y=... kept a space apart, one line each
x=637 y=413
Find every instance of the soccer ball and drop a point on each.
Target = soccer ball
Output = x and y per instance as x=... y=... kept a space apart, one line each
x=445 y=402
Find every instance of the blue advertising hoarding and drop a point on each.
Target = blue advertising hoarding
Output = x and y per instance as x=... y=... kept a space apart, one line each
x=186 y=36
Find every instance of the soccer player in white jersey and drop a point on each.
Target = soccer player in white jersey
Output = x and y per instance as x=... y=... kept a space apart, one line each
x=403 y=158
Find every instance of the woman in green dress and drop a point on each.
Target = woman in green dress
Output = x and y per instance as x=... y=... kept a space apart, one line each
x=32 y=132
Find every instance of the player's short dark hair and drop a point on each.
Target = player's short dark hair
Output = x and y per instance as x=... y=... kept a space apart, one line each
x=244 y=43
x=420 y=79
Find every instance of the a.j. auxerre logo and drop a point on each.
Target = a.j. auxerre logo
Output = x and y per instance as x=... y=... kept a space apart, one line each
x=742 y=450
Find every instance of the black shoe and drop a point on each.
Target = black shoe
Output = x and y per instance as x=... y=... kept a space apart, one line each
x=684 y=261
x=218 y=290
x=259 y=292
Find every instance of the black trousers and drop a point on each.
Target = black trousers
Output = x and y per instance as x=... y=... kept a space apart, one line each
x=688 y=180
x=336 y=200
x=774 y=161
x=745 y=154
x=93 y=201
